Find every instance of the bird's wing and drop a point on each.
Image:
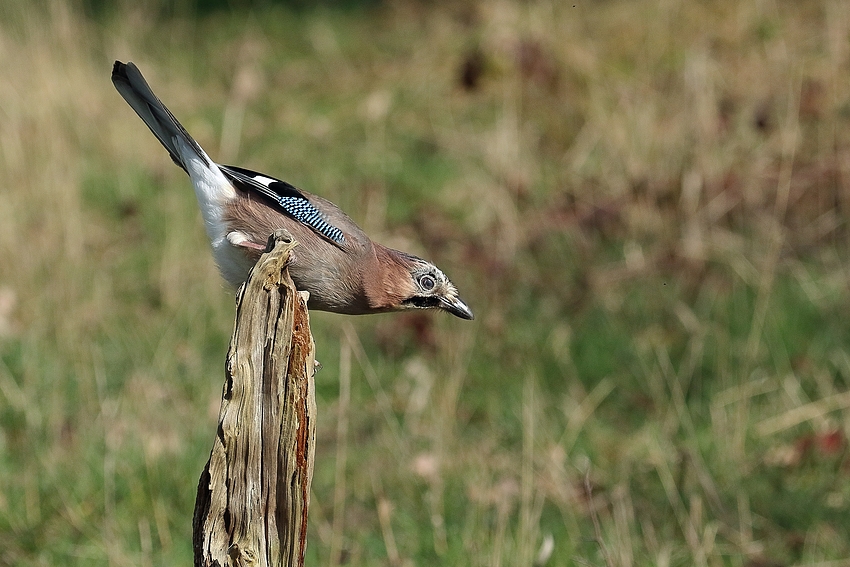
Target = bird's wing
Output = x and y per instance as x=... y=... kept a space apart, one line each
x=289 y=198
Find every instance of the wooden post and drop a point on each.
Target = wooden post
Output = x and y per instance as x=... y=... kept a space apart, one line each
x=253 y=495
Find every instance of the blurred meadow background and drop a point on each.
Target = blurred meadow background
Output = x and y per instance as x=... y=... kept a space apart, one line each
x=645 y=203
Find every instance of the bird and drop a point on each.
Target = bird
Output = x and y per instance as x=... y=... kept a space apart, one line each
x=343 y=269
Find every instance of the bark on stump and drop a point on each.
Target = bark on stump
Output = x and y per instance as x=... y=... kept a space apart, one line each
x=251 y=507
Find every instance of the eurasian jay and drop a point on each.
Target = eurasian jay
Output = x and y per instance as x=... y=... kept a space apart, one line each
x=341 y=267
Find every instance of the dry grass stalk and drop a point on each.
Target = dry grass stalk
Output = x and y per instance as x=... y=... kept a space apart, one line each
x=254 y=492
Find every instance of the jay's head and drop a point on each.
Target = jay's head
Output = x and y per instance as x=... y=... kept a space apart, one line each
x=418 y=284
x=431 y=289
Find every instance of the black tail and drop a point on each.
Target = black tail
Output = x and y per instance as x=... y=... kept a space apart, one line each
x=132 y=86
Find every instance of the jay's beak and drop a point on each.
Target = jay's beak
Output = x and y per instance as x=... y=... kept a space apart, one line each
x=456 y=307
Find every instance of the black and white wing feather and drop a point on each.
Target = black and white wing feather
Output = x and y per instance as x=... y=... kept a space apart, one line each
x=287 y=196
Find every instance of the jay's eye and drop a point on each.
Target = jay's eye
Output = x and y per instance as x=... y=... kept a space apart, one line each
x=427 y=282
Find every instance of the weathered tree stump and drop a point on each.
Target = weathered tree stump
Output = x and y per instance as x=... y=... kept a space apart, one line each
x=251 y=507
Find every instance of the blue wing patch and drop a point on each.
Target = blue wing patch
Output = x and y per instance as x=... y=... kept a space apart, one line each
x=290 y=199
x=303 y=211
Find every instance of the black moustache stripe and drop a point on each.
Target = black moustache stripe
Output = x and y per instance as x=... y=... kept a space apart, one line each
x=424 y=302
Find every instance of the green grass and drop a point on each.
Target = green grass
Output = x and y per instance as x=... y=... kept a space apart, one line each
x=644 y=203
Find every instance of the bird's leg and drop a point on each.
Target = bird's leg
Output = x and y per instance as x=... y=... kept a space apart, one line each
x=239 y=238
